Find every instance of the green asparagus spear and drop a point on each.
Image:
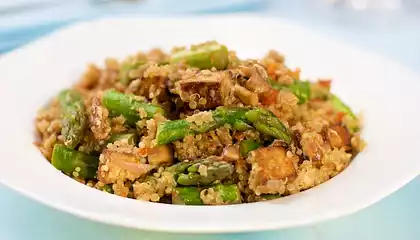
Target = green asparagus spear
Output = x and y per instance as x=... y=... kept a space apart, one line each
x=266 y=122
x=270 y=196
x=131 y=138
x=125 y=69
x=238 y=118
x=340 y=106
x=301 y=89
x=201 y=172
x=179 y=167
x=74 y=118
x=126 y=105
x=69 y=161
x=235 y=117
x=205 y=172
x=204 y=57
x=186 y=196
x=247 y=146
x=170 y=131
x=107 y=188
x=229 y=194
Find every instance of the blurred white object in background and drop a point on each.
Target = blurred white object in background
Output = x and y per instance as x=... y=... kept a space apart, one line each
x=361 y=5
x=16 y=4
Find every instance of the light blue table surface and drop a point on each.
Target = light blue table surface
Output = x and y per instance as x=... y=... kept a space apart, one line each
x=392 y=34
x=394 y=218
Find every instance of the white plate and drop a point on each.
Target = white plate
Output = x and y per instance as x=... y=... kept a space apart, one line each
x=386 y=92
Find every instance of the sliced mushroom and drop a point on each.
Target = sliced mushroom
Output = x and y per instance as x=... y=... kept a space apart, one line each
x=312 y=145
x=261 y=71
x=231 y=154
x=258 y=84
x=247 y=97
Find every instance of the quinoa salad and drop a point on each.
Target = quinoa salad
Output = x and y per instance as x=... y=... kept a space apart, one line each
x=198 y=126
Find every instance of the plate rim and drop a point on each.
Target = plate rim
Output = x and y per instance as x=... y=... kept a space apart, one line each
x=176 y=229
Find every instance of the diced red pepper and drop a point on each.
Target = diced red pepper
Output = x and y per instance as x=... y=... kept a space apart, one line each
x=269 y=97
x=325 y=83
x=340 y=116
x=143 y=151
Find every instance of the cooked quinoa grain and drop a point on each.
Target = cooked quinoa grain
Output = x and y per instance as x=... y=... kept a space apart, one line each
x=198 y=126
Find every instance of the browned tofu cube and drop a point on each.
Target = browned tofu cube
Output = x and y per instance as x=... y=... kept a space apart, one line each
x=339 y=136
x=160 y=155
x=272 y=167
x=205 y=88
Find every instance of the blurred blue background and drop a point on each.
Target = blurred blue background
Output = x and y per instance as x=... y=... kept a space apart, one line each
x=391 y=27
x=388 y=27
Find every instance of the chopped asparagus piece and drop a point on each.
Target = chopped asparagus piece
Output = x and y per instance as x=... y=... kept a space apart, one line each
x=238 y=118
x=73 y=117
x=131 y=138
x=230 y=193
x=186 y=196
x=301 y=89
x=209 y=175
x=266 y=122
x=340 y=106
x=235 y=117
x=204 y=57
x=270 y=196
x=192 y=179
x=170 y=131
x=201 y=172
x=247 y=146
x=107 y=188
x=71 y=161
x=179 y=167
x=126 y=105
